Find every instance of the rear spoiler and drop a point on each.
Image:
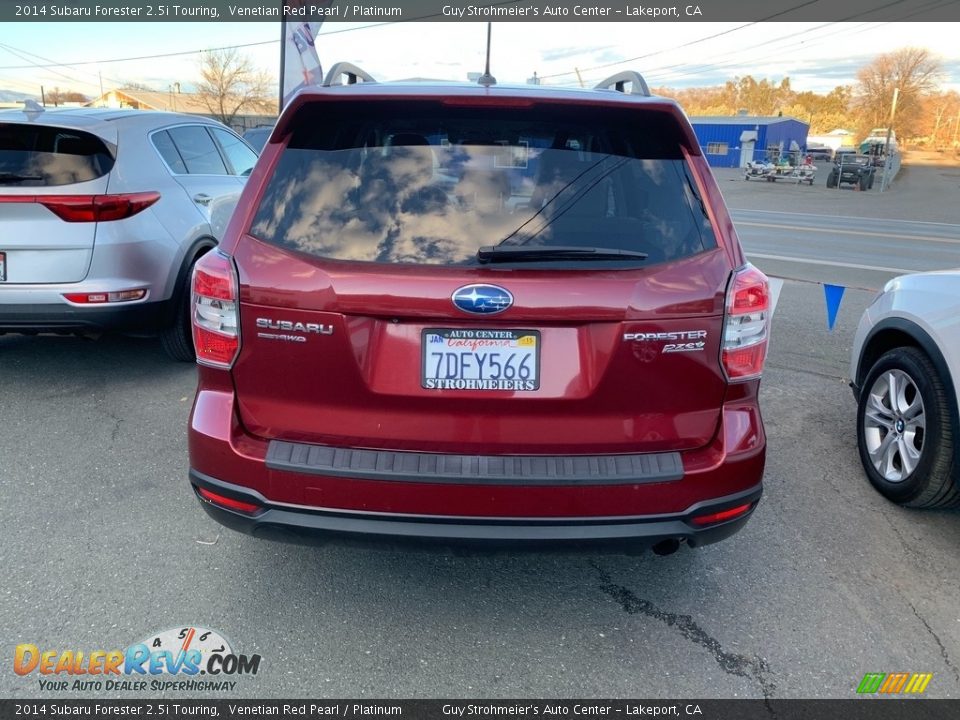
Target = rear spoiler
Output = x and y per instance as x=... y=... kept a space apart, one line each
x=346 y=75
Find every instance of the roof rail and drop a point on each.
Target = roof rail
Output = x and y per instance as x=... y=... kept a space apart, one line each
x=638 y=86
x=352 y=72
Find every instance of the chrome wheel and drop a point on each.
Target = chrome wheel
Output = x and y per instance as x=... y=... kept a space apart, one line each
x=894 y=425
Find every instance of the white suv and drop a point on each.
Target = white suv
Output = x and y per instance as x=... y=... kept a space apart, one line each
x=904 y=367
x=104 y=213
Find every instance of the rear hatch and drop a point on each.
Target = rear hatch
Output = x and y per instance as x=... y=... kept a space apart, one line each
x=48 y=174
x=443 y=277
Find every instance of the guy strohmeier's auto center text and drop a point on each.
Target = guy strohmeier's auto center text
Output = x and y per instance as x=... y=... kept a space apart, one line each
x=548 y=11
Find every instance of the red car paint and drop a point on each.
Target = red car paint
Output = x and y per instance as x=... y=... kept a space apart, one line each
x=619 y=373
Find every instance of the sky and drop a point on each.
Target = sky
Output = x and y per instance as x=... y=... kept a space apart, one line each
x=815 y=56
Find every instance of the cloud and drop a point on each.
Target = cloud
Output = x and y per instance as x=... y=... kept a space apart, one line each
x=552 y=54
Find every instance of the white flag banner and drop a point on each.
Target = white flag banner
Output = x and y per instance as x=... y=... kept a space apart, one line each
x=299 y=61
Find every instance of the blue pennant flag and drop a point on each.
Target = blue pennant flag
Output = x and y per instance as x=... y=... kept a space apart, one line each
x=833 y=294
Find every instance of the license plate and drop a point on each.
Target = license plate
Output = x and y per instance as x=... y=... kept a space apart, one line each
x=480 y=359
x=3 y=266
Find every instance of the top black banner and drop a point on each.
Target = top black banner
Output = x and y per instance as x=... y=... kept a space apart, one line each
x=511 y=11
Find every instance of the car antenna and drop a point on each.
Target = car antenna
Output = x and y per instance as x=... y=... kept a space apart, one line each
x=487 y=79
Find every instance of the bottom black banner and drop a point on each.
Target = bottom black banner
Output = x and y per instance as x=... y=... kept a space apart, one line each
x=859 y=709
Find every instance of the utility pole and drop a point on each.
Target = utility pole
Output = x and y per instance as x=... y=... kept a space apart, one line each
x=886 y=148
x=102 y=100
x=579 y=79
x=43 y=101
x=936 y=125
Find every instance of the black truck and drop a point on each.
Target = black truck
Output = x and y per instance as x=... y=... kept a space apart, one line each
x=852 y=169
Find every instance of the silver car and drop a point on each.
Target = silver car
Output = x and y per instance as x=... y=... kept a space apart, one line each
x=905 y=367
x=103 y=214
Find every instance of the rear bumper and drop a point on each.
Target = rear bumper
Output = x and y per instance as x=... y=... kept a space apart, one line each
x=853 y=177
x=65 y=318
x=549 y=501
x=292 y=523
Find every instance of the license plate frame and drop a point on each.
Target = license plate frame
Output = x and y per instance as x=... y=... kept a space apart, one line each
x=523 y=345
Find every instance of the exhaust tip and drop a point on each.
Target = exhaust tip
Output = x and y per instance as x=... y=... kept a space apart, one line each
x=666 y=547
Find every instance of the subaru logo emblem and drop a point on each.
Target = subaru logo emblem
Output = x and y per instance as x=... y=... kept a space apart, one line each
x=482 y=299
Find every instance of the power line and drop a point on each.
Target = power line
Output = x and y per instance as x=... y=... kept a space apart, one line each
x=661 y=74
x=55 y=72
x=238 y=46
x=696 y=69
x=650 y=54
x=687 y=44
x=20 y=52
x=842 y=31
x=140 y=57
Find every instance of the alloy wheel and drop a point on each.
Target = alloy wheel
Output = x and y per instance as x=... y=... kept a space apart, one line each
x=894 y=425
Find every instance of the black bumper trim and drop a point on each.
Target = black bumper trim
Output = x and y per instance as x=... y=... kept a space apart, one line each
x=299 y=524
x=474 y=469
x=29 y=319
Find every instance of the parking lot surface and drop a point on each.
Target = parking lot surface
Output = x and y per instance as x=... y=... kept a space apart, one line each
x=103 y=544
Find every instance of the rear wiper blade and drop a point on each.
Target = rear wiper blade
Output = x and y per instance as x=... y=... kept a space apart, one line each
x=15 y=177
x=514 y=253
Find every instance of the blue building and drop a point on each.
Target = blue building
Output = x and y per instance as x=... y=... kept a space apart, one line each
x=730 y=141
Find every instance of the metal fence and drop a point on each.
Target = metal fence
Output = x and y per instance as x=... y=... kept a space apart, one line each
x=241 y=123
x=890 y=169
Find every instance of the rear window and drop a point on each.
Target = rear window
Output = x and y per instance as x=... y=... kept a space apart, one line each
x=39 y=155
x=424 y=183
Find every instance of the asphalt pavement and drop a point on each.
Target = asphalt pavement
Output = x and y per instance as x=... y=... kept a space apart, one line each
x=102 y=544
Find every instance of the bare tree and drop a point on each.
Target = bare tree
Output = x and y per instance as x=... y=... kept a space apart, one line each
x=915 y=71
x=231 y=84
x=58 y=97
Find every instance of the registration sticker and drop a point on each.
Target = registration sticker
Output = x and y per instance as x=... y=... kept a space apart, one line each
x=480 y=359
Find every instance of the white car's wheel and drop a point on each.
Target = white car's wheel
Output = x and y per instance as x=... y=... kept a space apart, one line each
x=905 y=433
x=177 y=338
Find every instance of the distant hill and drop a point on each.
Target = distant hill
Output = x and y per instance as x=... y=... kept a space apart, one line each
x=9 y=96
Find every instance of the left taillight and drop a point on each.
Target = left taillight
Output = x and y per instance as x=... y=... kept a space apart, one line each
x=747 y=325
x=90 y=208
x=214 y=311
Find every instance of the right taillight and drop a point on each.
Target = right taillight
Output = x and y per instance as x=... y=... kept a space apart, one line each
x=213 y=308
x=747 y=325
x=228 y=502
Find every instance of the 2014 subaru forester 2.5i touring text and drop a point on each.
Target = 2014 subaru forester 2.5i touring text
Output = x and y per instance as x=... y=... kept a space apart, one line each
x=493 y=314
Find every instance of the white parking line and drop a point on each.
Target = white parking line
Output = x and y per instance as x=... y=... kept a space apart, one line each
x=836 y=231
x=811 y=261
x=847 y=217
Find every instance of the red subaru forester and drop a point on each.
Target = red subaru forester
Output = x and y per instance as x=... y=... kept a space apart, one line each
x=480 y=313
